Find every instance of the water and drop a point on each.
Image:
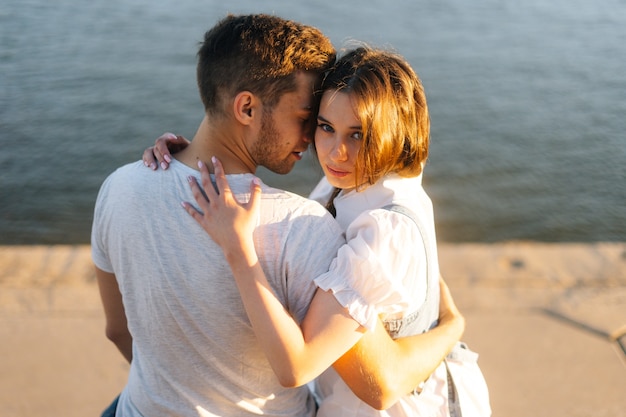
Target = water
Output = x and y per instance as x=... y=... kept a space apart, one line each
x=527 y=101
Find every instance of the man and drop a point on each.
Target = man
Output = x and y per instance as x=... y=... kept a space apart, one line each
x=171 y=304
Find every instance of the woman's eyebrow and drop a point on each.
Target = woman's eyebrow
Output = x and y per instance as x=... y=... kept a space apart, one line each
x=323 y=119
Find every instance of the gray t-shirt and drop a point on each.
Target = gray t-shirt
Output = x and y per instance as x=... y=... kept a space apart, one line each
x=194 y=350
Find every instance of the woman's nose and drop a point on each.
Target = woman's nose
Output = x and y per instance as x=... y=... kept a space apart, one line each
x=339 y=151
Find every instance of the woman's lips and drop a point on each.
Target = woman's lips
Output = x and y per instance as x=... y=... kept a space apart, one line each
x=336 y=173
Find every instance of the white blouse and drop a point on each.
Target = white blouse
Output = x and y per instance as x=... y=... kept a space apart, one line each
x=381 y=270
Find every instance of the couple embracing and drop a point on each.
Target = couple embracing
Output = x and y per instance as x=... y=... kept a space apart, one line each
x=232 y=308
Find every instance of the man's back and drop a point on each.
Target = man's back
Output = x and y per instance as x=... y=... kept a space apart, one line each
x=194 y=351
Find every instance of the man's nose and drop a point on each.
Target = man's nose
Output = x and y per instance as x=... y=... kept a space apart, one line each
x=308 y=135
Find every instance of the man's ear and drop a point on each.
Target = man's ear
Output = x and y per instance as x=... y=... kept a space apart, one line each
x=246 y=107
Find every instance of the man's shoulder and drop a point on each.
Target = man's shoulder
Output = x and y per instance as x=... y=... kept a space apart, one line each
x=123 y=171
x=128 y=168
x=297 y=214
x=129 y=179
x=294 y=204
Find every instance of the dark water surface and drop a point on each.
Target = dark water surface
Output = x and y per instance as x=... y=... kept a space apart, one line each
x=527 y=101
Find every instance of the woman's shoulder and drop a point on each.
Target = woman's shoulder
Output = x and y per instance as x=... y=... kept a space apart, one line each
x=383 y=227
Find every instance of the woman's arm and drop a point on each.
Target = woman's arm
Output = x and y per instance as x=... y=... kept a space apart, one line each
x=296 y=356
x=380 y=370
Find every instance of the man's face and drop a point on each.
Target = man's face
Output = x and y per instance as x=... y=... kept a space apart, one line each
x=285 y=131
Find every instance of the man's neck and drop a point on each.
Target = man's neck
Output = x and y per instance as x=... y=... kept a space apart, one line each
x=228 y=147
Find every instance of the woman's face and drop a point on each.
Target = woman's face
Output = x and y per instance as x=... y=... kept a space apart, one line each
x=338 y=139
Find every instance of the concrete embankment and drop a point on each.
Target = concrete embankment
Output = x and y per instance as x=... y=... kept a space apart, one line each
x=549 y=322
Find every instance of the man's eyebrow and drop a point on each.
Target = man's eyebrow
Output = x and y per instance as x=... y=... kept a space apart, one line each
x=306 y=109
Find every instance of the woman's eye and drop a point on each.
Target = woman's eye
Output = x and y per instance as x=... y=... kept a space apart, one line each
x=357 y=135
x=325 y=127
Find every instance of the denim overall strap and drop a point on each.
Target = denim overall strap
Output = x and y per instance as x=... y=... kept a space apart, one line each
x=426 y=317
x=454 y=405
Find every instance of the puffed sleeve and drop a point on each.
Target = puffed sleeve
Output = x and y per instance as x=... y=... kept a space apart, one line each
x=369 y=274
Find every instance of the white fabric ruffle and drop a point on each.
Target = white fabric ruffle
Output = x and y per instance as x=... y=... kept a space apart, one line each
x=367 y=276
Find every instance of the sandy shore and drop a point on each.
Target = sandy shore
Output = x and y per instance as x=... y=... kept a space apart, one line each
x=549 y=321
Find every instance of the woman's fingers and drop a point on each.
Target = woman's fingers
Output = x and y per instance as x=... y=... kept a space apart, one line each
x=255 y=195
x=192 y=212
x=148 y=158
x=229 y=223
x=207 y=184
x=161 y=151
x=197 y=193
x=220 y=180
x=210 y=197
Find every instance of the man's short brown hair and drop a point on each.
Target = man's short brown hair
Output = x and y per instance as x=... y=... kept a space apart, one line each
x=258 y=53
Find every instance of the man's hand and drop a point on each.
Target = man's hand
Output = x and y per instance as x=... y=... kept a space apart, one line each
x=448 y=311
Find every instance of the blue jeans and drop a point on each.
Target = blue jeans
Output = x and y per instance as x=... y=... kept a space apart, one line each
x=110 y=410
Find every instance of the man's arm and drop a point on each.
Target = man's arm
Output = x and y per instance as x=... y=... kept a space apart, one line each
x=116 y=325
x=380 y=370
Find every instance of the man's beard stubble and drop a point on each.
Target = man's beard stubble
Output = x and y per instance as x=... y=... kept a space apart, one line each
x=268 y=148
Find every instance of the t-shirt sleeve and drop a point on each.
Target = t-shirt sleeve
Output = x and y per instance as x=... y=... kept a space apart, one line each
x=98 y=247
x=313 y=242
x=368 y=274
